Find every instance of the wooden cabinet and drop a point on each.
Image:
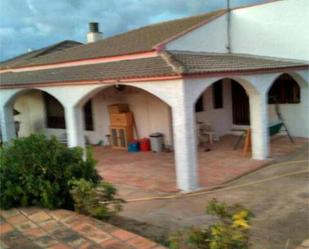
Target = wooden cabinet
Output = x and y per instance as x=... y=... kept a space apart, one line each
x=121 y=136
x=121 y=119
x=118 y=108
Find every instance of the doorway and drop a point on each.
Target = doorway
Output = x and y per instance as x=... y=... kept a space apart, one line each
x=241 y=109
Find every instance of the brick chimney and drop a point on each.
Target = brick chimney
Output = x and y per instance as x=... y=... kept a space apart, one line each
x=94 y=34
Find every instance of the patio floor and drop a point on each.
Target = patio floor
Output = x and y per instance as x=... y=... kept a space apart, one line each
x=150 y=172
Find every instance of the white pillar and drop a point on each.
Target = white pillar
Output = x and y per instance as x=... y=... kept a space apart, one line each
x=74 y=126
x=185 y=146
x=259 y=125
x=7 y=123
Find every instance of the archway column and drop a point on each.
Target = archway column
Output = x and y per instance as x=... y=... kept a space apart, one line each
x=185 y=141
x=8 y=128
x=74 y=126
x=259 y=125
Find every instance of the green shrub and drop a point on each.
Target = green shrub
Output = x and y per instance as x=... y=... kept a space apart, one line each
x=229 y=232
x=36 y=171
x=97 y=200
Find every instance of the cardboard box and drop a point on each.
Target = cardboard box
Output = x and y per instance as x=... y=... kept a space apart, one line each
x=118 y=108
x=121 y=119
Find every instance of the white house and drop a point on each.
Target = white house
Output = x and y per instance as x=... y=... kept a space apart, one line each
x=220 y=68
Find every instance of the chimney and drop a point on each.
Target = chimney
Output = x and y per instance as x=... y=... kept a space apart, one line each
x=94 y=34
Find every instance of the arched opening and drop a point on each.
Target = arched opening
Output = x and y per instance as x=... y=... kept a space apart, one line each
x=223 y=105
x=284 y=90
x=114 y=132
x=287 y=103
x=36 y=111
x=223 y=118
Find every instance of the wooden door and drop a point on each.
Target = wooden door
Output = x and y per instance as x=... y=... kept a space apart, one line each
x=241 y=110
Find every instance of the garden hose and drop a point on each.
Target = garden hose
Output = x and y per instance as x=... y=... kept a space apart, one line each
x=224 y=187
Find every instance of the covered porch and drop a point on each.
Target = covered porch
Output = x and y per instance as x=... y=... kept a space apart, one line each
x=139 y=174
x=175 y=108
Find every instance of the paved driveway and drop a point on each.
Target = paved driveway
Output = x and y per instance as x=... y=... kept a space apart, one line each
x=280 y=206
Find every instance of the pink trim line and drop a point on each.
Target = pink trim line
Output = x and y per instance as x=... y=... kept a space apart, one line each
x=247 y=72
x=159 y=78
x=91 y=82
x=160 y=46
x=140 y=55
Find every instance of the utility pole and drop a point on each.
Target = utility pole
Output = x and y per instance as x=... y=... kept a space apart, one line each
x=228 y=7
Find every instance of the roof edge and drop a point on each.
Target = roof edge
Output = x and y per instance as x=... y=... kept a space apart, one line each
x=65 y=63
x=164 y=77
x=285 y=69
x=160 y=46
x=255 y=4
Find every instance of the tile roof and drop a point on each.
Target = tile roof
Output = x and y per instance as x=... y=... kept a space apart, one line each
x=138 y=40
x=27 y=57
x=146 y=67
x=200 y=62
x=166 y=64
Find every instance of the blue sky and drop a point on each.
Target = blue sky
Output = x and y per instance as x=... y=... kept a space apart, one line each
x=32 y=24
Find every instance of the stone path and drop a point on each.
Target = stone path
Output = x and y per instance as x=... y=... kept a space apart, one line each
x=33 y=228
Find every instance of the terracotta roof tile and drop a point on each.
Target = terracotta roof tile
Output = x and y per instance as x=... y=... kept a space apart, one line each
x=167 y=64
x=147 y=67
x=199 y=62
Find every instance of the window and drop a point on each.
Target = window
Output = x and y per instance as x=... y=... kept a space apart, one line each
x=284 y=90
x=88 y=116
x=217 y=95
x=199 y=106
x=54 y=112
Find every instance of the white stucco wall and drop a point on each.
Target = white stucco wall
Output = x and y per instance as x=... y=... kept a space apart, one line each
x=32 y=113
x=211 y=37
x=278 y=29
x=220 y=119
x=151 y=114
x=295 y=115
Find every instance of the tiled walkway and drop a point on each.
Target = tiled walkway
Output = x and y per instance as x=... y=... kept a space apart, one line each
x=32 y=228
x=155 y=172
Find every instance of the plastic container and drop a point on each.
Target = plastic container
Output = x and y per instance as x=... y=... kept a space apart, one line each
x=144 y=144
x=156 y=142
x=133 y=147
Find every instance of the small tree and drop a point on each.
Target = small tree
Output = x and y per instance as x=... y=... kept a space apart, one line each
x=97 y=200
x=229 y=232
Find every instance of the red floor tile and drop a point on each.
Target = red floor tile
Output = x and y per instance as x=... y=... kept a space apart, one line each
x=156 y=171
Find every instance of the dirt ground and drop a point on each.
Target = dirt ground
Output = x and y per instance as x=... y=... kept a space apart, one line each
x=280 y=206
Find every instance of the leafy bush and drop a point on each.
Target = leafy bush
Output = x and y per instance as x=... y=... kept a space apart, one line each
x=36 y=171
x=98 y=200
x=229 y=232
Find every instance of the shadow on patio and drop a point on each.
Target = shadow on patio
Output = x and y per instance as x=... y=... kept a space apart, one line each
x=138 y=174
